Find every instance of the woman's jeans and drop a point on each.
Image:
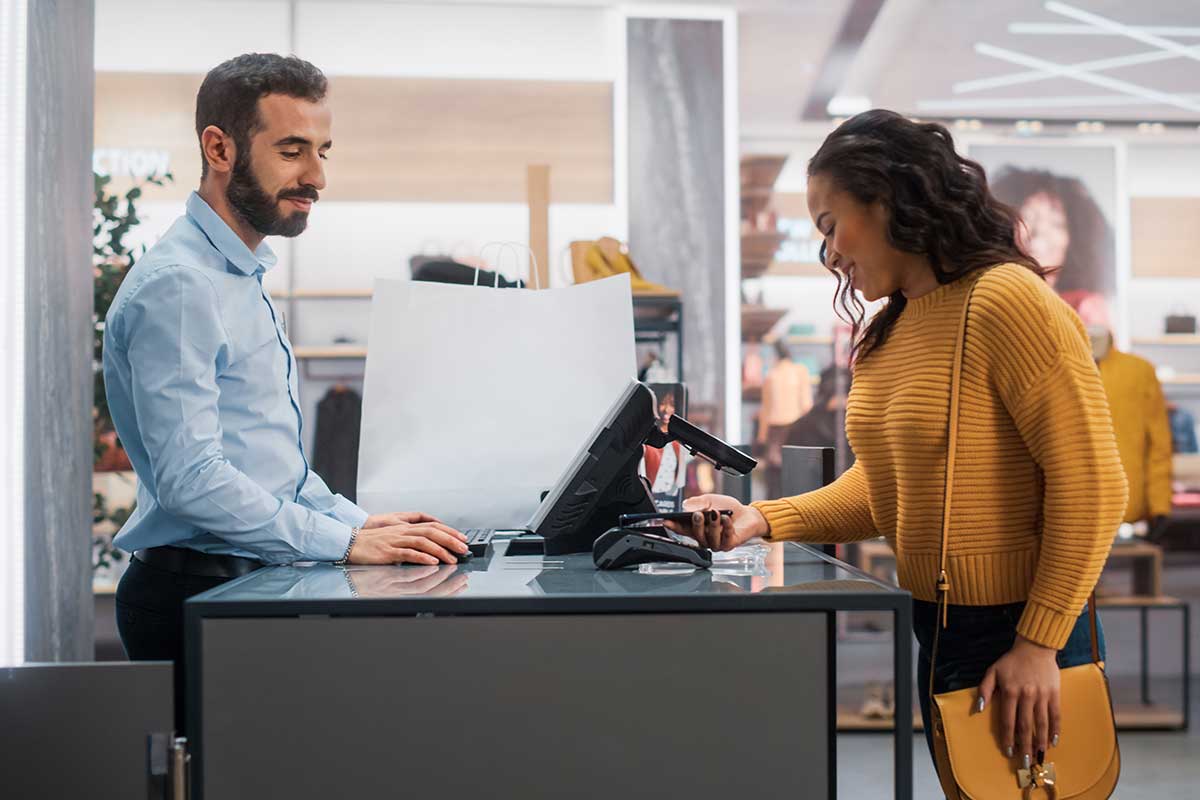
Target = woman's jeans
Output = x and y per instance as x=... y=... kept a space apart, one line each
x=976 y=638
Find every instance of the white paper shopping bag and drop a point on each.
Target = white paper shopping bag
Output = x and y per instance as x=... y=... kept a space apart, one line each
x=475 y=399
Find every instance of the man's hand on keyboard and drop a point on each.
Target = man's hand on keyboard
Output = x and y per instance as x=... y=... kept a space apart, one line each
x=392 y=539
x=397 y=518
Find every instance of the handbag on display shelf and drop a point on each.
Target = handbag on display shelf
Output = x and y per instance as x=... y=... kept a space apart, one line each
x=1180 y=322
x=1086 y=763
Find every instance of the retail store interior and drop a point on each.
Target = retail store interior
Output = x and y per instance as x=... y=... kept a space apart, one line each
x=549 y=144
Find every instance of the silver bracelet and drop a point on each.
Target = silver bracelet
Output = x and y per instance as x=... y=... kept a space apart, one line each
x=349 y=547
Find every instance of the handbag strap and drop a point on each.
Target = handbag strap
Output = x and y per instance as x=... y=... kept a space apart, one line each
x=943 y=581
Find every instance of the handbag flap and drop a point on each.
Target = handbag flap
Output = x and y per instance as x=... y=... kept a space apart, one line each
x=1085 y=754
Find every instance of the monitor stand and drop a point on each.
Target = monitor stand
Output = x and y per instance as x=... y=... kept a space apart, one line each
x=626 y=494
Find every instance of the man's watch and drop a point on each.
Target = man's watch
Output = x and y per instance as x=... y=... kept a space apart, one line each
x=341 y=562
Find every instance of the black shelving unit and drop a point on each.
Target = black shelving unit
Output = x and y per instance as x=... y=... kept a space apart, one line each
x=655 y=318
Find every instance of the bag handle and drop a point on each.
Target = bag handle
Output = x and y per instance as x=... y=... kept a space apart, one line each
x=943 y=581
x=515 y=248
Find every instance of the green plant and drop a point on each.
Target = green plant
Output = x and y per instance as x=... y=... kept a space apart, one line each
x=113 y=217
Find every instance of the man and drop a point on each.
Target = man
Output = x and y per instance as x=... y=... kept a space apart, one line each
x=201 y=379
x=786 y=397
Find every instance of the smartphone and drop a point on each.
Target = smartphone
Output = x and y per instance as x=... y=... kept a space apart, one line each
x=676 y=516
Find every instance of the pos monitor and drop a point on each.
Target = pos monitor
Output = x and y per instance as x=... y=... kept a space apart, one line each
x=602 y=481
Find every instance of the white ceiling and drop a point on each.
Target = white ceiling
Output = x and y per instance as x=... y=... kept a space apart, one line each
x=920 y=53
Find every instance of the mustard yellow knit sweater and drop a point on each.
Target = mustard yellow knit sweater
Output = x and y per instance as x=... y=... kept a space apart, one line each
x=1039 y=490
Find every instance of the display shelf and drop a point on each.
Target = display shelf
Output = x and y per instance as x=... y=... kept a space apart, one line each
x=324 y=294
x=758 y=251
x=755 y=200
x=760 y=171
x=850 y=720
x=1168 y=340
x=1153 y=717
x=757 y=321
x=1136 y=601
x=330 y=352
x=813 y=340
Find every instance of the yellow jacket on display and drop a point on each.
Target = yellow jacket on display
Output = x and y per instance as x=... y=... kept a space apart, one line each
x=1139 y=414
x=1039 y=490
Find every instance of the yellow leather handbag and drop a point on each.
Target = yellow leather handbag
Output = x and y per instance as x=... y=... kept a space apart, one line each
x=970 y=764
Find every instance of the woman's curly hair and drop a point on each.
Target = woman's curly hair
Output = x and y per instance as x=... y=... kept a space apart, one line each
x=1090 y=262
x=938 y=206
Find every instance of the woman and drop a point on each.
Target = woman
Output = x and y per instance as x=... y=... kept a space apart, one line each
x=1039 y=489
x=1062 y=227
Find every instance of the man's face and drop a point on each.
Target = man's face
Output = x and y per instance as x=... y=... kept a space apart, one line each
x=274 y=185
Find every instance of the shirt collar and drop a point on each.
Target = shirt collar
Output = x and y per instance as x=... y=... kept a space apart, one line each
x=226 y=241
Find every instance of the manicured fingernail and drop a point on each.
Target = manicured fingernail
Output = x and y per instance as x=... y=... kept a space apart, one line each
x=1054 y=741
x=979 y=706
x=1026 y=760
x=1008 y=752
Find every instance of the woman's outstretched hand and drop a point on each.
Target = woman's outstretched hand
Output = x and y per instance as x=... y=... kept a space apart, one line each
x=718 y=531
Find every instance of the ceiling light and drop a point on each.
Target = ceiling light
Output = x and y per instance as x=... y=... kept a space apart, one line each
x=1085 y=126
x=1151 y=127
x=845 y=105
x=1029 y=126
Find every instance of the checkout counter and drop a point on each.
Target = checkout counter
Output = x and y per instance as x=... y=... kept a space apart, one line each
x=531 y=677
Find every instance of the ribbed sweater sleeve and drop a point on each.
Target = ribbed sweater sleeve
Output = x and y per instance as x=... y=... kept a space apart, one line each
x=839 y=512
x=1044 y=373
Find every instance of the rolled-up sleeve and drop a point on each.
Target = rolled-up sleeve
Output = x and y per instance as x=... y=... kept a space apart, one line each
x=317 y=495
x=175 y=343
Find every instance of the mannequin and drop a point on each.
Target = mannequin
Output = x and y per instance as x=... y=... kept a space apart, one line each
x=1142 y=428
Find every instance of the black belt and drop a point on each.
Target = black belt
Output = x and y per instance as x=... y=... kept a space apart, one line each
x=187 y=561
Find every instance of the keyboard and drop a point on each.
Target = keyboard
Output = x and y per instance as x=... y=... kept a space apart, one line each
x=478 y=540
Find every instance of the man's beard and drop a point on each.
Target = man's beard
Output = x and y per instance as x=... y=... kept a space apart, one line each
x=261 y=211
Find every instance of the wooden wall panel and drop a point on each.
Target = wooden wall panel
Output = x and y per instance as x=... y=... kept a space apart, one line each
x=401 y=139
x=1165 y=237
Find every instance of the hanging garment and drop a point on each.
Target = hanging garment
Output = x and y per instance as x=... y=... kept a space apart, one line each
x=1183 y=430
x=335 y=453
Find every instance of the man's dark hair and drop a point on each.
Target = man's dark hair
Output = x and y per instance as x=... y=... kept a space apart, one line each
x=229 y=96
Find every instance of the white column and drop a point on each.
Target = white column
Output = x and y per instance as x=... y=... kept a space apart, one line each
x=12 y=330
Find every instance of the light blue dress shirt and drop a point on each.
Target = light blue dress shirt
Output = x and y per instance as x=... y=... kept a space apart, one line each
x=201 y=384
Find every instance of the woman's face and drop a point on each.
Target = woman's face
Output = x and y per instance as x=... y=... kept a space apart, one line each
x=1043 y=232
x=856 y=243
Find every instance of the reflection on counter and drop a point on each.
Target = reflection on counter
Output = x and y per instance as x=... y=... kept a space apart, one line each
x=753 y=569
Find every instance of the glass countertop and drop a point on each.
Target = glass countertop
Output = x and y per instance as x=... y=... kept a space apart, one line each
x=753 y=570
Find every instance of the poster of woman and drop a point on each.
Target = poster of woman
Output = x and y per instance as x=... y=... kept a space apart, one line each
x=1068 y=198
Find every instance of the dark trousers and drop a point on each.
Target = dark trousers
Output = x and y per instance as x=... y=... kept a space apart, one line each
x=976 y=638
x=150 y=619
